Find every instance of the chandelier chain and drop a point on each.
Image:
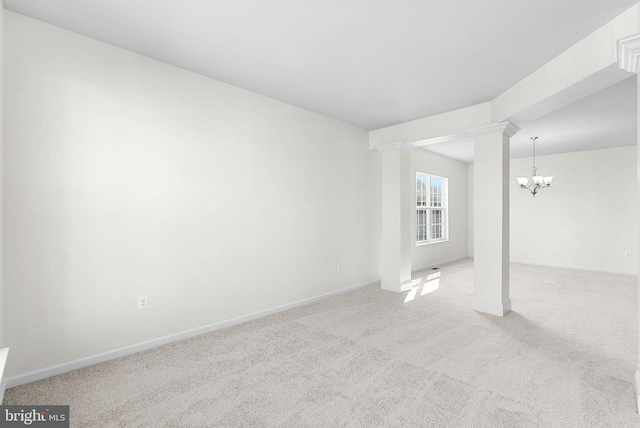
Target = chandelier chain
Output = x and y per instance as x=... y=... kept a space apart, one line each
x=534 y=155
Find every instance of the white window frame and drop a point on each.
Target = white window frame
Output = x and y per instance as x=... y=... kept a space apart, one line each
x=427 y=207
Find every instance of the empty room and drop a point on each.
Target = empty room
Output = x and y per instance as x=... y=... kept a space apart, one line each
x=288 y=214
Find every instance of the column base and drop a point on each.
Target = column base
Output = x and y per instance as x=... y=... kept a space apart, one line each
x=492 y=307
x=397 y=287
x=637 y=388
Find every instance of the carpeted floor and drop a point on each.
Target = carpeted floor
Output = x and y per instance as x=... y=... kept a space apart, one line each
x=565 y=357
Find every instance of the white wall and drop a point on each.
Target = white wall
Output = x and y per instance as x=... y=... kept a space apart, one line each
x=3 y=351
x=126 y=176
x=456 y=172
x=587 y=219
x=2 y=311
x=578 y=223
x=470 y=211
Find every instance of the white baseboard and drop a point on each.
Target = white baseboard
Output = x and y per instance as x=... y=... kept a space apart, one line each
x=440 y=264
x=492 y=307
x=45 y=372
x=636 y=383
x=588 y=269
x=4 y=354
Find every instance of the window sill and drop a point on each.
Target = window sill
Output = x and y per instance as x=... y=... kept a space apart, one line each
x=421 y=244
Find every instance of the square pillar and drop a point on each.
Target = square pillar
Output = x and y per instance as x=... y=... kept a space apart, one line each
x=628 y=49
x=491 y=218
x=397 y=190
x=637 y=374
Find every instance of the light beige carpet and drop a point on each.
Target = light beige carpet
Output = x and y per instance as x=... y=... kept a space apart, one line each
x=565 y=357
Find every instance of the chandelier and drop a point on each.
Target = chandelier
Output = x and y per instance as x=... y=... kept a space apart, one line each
x=536 y=182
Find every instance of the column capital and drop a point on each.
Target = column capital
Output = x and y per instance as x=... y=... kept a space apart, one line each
x=399 y=146
x=629 y=53
x=506 y=128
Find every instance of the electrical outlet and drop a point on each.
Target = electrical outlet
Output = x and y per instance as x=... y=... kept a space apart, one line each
x=143 y=302
x=627 y=253
x=338 y=267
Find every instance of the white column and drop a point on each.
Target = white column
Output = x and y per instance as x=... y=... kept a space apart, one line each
x=397 y=185
x=491 y=217
x=637 y=374
x=629 y=60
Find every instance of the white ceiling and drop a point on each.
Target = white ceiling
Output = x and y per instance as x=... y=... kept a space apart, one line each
x=605 y=119
x=370 y=63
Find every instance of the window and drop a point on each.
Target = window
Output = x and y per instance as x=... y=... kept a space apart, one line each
x=431 y=208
